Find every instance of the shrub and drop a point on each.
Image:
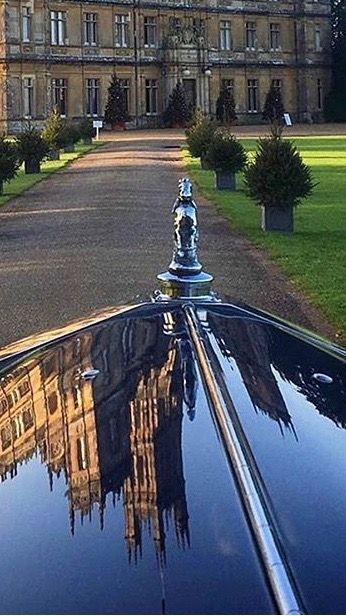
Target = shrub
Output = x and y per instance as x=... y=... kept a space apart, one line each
x=225 y=152
x=31 y=145
x=116 y=111
x=278 y=177
x=86 y=129
x=198 y=116
x=199 y=136
x=53 y=131
x=9 y=162
x=225 y=107
x=177 y=112
x=335 y=106
x=70 y=134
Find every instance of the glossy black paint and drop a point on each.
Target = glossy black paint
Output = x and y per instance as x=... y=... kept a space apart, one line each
x=116 y=494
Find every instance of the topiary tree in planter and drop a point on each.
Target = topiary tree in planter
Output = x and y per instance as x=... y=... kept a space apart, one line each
x=177 y=113
x=226 y=156
x=116 y=111
x=198 y=138
x=273 y=111
x=31 y=148
x=53 y=134
x=70 y=136
x=277 y=179
x=225 y=107
x=86 y=131
x=9 y=162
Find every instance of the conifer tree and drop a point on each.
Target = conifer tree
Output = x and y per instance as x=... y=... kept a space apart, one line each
x=225 y=107
x=273 y=111
x=177 y=112
x=335 y=104
x=116 y=111
x=53 y=132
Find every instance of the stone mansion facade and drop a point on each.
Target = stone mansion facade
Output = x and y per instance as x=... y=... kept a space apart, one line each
x=63 y=52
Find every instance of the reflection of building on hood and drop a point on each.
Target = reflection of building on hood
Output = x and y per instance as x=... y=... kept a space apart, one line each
x=120 y=433
x=249 y=344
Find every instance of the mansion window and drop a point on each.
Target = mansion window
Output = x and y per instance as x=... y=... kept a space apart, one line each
x=275 y=42
x=225 y=35
x=319 y=95
x=251 y=38
x=82 y=454
x=90 y=28
x=57 y=27
x=26 y=24
x=28 y=97
x=277 y=84
x=6 y=437
x=252 y=95
x=318 y=46
x=27 y=419
x=59 y=95
x=92 y=93
x=149 y=31
x=125 y=84
x=151 y=96
x=121 y=30
x=228 y=84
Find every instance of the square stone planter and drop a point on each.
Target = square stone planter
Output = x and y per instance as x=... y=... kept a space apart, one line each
x=224 y=180
x=32 y=166
x=277 y=219
x=54 y=155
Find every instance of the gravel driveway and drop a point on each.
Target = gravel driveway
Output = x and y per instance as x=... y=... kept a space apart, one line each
x=97 y=233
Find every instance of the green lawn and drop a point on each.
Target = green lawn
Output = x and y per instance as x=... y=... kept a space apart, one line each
x=314 y=256
x=21 y=182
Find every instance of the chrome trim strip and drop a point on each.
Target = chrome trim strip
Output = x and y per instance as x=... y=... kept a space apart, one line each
x=252 y=498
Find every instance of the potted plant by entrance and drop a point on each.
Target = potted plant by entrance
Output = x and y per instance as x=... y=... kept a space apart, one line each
x=199 y=135
x=225 y=107
x=226 y=156
x=116 y=114
x=278 y=180
x=31 y=148
x=177 y=112
x=70 y=136
x=53 y=134
x=9 y=162
x=86 y=131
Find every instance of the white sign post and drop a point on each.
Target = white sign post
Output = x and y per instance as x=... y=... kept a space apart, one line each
x=287 y=119
x=97 y=124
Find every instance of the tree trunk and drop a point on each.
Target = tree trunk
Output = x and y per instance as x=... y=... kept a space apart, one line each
x=225 y=180
x=32 y=166
x=277 y=219
x=204 y=164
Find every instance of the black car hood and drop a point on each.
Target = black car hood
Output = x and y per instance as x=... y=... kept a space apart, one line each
x=119 y=492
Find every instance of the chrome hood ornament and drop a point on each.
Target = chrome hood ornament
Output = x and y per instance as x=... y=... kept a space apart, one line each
x=185 y=278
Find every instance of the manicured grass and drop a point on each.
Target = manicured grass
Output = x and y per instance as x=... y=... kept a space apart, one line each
x=314 y=256
x=22 y=182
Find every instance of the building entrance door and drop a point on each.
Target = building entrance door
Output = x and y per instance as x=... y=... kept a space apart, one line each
x=190 y=92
